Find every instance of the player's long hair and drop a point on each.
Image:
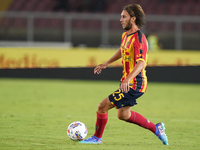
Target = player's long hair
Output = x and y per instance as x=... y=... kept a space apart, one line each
x=137 y=11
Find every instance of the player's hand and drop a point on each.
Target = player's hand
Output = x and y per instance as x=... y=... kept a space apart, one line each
x=98 y=69
x=125 y=86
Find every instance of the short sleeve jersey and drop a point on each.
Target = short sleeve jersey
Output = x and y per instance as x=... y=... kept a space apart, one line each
x=134 y=47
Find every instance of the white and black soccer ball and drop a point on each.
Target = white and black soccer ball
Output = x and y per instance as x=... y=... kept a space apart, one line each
x=77 y=131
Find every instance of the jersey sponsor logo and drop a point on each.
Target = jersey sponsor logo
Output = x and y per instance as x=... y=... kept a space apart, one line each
x=126 y=58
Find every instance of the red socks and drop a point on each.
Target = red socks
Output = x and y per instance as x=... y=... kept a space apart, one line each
x=135 y=118
x=100 y=124
x=138 y=119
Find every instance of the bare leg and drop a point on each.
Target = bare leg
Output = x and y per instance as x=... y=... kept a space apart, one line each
x=124 y=113
x=104 y=106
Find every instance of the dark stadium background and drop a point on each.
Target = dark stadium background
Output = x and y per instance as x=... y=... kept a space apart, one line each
x=95 y=23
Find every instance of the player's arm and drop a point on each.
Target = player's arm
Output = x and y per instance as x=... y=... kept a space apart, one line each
x=114 y=58
x=137 y=69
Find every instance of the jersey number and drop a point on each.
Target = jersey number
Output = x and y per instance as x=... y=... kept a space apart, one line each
x=119 y=95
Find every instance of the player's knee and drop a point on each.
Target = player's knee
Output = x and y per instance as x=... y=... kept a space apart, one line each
x=122 y=116
x=101 y=108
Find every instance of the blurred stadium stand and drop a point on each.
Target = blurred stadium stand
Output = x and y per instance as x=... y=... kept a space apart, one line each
x=165 y=7
x=15 y=28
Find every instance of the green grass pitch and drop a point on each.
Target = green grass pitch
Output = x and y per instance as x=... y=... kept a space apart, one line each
x=35 y=113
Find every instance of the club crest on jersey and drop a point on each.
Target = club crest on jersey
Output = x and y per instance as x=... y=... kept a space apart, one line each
x=127 y=44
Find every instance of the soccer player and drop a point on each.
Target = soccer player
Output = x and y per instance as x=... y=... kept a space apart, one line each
x=133 y=51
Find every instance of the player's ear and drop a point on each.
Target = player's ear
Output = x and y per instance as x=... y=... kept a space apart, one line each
x=133 y=19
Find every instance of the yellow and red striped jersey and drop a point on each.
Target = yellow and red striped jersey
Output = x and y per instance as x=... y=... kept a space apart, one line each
x=134 y=47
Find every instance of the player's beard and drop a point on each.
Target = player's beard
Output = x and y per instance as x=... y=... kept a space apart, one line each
x=128 y=26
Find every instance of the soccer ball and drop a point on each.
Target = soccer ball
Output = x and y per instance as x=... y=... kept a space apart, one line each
x=77 y=131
